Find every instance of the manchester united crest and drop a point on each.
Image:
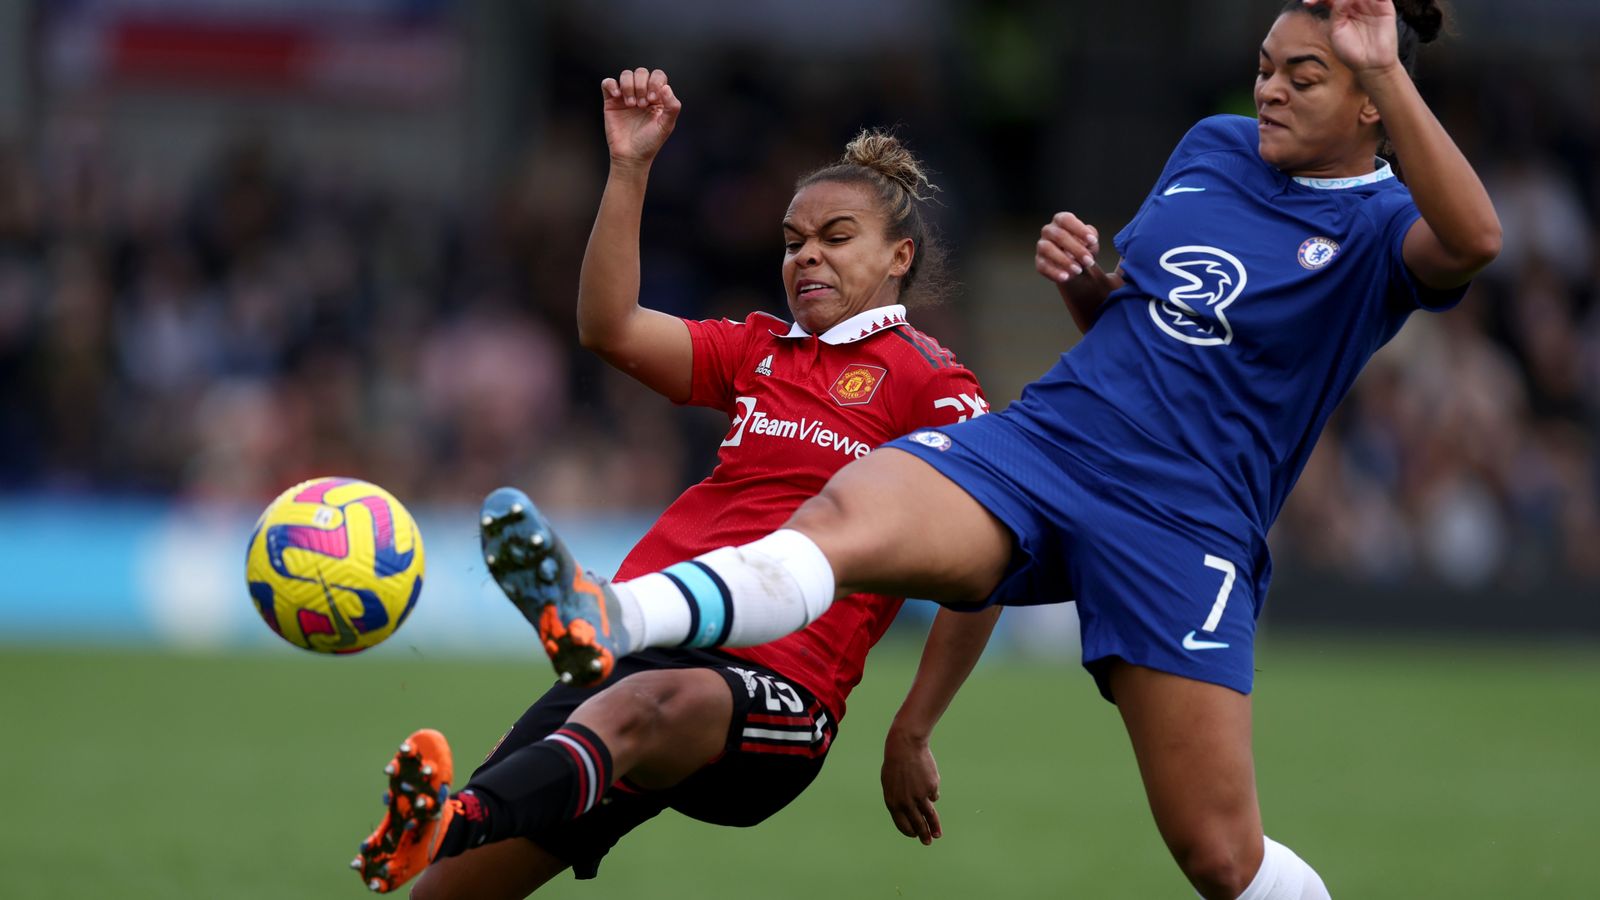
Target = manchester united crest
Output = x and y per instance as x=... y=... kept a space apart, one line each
x=856 y=384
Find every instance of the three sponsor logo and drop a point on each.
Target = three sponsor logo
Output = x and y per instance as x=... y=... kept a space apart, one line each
x=1193 y=312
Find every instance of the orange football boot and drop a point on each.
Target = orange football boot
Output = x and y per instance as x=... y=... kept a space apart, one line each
x=420 y=809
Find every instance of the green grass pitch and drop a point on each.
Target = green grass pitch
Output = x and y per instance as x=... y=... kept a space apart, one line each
x=1457 y=770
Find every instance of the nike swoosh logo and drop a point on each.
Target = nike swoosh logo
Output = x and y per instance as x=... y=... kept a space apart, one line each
x=347 y=634
x=1180 y=189
x=1189 y=643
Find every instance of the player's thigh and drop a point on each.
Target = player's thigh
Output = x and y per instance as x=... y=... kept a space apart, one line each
x=663 y=725
x=509 y=869
x=1192 y=741
x=777 y=740
x=891 y=523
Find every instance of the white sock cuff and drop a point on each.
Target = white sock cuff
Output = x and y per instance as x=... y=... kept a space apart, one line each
x=1284 y=876
x=732 y=596
x=1266 y=880
x=804 y=561
x=667 y=622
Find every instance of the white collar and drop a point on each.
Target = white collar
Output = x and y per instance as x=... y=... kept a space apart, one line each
x=858 y=326
x=1381 y=173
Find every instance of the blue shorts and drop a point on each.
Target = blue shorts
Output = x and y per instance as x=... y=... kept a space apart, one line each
x=1169 y=588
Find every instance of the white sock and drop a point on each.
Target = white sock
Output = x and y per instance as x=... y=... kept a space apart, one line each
x=633 y=595
x=733 y=597
x=1284 y=876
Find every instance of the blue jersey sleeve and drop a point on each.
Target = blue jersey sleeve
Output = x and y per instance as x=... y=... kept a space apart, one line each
x=1396 y=214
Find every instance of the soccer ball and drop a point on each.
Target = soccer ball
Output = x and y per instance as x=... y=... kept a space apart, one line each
x=335 y=565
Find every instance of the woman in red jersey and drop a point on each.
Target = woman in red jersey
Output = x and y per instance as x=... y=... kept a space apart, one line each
x=725 y=736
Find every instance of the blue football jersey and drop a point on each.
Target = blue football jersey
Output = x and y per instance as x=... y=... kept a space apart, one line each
x=1253 y=300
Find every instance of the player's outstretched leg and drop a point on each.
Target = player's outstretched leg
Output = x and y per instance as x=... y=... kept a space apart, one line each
x=574 y=611
x=419 y=810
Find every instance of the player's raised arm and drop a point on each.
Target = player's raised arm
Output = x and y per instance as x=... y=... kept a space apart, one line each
x=1459 y=232
x=1065 y=254
x=640 y=110
x=910 y=776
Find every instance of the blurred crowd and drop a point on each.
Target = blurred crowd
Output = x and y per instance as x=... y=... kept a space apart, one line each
x=270 y=319
x=1470 y=448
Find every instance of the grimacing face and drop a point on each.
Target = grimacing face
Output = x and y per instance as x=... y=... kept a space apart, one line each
x=836 y=259
x=1314 y=119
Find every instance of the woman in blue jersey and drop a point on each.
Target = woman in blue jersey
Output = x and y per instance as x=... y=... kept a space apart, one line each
x=1140 y=475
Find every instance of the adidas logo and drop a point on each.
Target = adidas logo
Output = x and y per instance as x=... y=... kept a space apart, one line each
x=765 y=366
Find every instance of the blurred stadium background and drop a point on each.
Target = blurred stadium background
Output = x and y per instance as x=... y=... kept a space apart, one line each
x=247 y=242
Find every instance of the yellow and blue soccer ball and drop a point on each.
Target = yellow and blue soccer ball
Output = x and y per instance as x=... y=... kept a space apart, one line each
x=335 y=565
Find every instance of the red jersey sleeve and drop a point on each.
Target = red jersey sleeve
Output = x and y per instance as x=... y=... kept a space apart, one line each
x=720 y=347
x=950 y=394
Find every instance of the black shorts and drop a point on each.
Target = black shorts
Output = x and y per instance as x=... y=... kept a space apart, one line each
x=777 y=740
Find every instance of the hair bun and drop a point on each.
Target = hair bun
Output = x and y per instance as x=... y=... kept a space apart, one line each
x=1426 y=17
x=883 y=153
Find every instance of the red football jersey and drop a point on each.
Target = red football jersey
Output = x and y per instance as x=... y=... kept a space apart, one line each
x=801 y=406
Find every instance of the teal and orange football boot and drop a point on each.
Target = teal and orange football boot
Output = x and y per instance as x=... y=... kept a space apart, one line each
x=574 y=611
x=419 y=810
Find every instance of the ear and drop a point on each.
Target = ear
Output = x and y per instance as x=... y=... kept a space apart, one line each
x=905 y=250
x=1369 y=113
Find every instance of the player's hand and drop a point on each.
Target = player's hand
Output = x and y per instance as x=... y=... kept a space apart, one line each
x=1067 y=248
x=640 y=110
x=911 y=786
x=1362 y=33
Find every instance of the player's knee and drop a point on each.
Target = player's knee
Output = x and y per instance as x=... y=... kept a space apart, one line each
x=846 y=527
x=644 y=706
x=822 y=513
x=1216 y=865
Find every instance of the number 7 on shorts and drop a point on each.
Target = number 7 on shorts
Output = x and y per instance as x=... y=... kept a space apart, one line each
x=1228 y=575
